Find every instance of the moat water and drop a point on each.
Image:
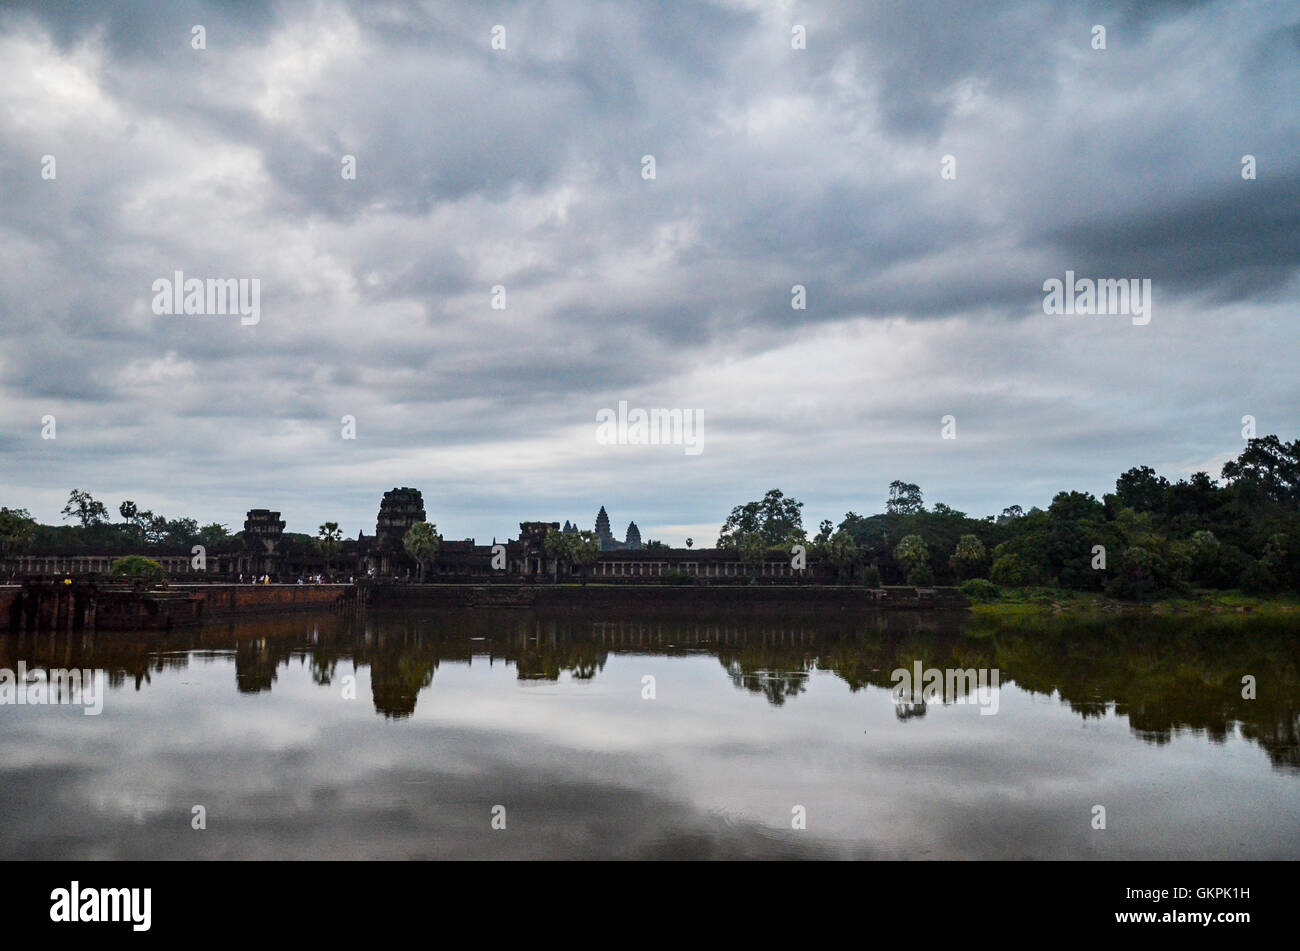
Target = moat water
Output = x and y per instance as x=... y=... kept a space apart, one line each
x=409 y=734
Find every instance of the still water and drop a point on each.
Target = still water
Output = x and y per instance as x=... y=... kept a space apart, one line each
x=403 y=734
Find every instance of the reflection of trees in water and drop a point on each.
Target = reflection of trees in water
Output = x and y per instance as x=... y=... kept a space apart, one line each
x=1166 y=675
x=396 y=680
x=323 y=667
x=256 y=660
x=752 y=670
x=548 y=662
x=124 y=661
x=908 y=711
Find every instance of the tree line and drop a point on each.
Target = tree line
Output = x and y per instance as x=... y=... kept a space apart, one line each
x=1149 y=537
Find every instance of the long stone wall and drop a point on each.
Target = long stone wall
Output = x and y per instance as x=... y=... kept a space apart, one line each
x=680 y=596
x=230 y=600
x=119 y=607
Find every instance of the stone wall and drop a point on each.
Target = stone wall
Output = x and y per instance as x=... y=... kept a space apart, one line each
x=121 y=608
x=231 y=600
x=683 y=596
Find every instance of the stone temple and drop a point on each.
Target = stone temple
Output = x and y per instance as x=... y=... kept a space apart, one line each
x=632 y=538
x=399 y=510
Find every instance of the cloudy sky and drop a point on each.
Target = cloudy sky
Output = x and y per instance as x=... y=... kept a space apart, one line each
x=523 y=167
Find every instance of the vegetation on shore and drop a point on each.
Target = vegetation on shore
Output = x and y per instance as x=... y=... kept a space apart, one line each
x=1149 y=540
x=991 y=601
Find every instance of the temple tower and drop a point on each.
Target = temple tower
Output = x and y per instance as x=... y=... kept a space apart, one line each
x=399 y=510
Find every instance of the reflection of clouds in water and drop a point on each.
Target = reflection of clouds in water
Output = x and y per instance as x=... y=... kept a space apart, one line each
x=404 y=811
x=587 y=767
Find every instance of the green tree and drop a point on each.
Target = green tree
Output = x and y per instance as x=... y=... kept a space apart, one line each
x=212 y=535
x=1267 y=468
x=329 y=539
x=1010 y=570
x=822 y=540
x=1273 y=563
x=583 y=550
x=181 y=532
x=422 y=543
x=970 y=558
x=1213 y=564
x=138 y=568
x=1142 y=490
x=139 y=521
x=83 y=507
x=904 y=499
x=17 y=528
x=752 y=549
x=556 y=548
x=777 y=519
x=841 y=553
x=911 y=553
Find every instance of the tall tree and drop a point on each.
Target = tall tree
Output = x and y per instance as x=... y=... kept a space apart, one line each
x=904 y=498
x=1141 y=490
x=970 y=558
x=83 y=507
x=422 y=543
x=776 y=518
x=328 y=540
x=752 y=549
x=1267 y=467
x=913 y=555
x=842 y=553
x=584 y=548
x=556 y=548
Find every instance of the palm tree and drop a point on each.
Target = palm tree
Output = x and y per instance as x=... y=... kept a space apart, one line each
x=584 y=548
x=328 y=539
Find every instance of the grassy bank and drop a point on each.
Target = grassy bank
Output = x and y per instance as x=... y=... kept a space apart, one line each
x=1010 y=602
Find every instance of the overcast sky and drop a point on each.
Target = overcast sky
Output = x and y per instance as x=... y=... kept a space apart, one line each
x=523 y=167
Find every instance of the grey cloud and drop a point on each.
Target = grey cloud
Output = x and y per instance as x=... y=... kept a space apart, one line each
x=776 y=167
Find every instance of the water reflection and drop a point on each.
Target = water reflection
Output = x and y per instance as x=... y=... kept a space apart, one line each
x=1165 y=675
x=394 y=735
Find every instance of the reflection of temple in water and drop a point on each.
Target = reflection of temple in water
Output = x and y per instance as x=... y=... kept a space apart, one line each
x=1164 y=676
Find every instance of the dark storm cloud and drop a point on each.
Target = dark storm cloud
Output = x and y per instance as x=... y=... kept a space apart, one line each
x=145 y=28
x=1242 y=241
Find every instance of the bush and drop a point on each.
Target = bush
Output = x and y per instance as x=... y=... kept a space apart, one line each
x=676 y=577
x=921 y=576
x=139 y=568
x=1258 y=579
x=871 y=577
x=980 y=589
x=1011 y=572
